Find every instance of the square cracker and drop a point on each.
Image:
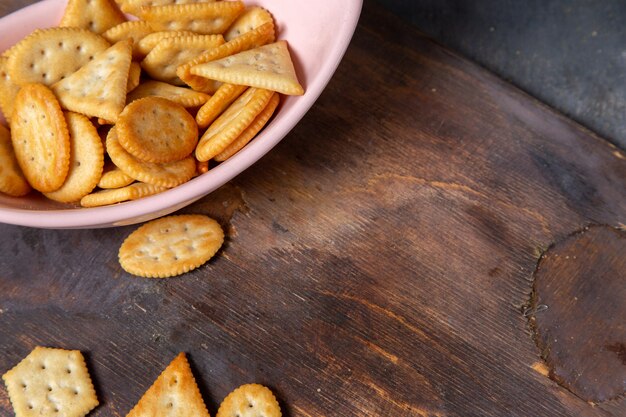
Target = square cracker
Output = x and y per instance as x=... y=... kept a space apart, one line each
x=51 y=382
x=203 y=18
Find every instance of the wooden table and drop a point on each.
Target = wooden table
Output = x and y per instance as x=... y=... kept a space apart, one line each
x=428 y=241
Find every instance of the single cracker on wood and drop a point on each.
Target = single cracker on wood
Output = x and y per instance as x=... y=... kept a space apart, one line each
x=118 y=195
x=145 y=45
x=204 y=18
x=173 y=394
x=252 y=39
x=250 y=400
x=155 y=129
x=183 y=96
x=99 y=88
x=40 y=138
x=86 y=160
x=162 y=61
x=134 y=6
x=223 y=97
x=250 y=19
x=169 y=174
x=251 y=131
x=269 y=67
x=232 y=123
x=49 y=55
x=113 y=177
x=171 y=246
x=51 y=382
x=8 y=90
x=12 y=181
x=94 y=15
x=134 y=29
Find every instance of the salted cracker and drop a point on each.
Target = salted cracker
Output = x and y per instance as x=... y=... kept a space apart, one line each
x=171 y=246
x=49 y=55
x=51 y=382
x=146 y=44
x=12 y=181
x=181 y=95
x=232 y=123
x=134 y=6
x=134 y=76
x=155 y=129
x=134 y=29
x=268 y=67
x=169 y=174
x=250 y=400
x=251 y=131
x=94 y=15
x=203 y=18
x=40 y=138
x=133 y=191
x=8 y=90
x=113 y=177
x=223 y=97
x=250 y=19
x=99 y=88
x=86 y=160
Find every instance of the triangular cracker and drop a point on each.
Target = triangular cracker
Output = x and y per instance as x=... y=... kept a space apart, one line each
x=269 y=67
x=99 y=88
x=95 y=15
x=203 y=18
x=174 y=393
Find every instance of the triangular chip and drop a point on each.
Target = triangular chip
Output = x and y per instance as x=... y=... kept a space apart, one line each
x=203 y=18
x=174 y=393
x=267 y=67
x=99 y=88
x=95 y=15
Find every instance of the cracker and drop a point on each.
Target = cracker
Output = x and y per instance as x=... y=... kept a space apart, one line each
x=203 y=18
x=171 y=246
x=168 y=175
x=12 y=181
x=251 y=131
x=134 y=76
x=183 y=96
x=232 y=123
x=40 y=138
x=155 y=129
x=8 y=90
x=113 y=177
x=161 y=63
x=223 y=97
x=134 y=6
x=250 y=400
x=118 y=195
x=202 y=167
x=135 y=30
x=51 y=382
x=173 y=394
x=49 y=55
x=86 y=160
x=252 y=39
x=267 y=66
x=250 y=19
x=94 y=15
x=99 y=88
x=145 y=45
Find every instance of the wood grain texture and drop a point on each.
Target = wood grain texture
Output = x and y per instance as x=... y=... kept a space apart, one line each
x=379 y=261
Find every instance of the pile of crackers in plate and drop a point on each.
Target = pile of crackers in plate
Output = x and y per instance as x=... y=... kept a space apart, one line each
x=103 y=109
x=56 y=382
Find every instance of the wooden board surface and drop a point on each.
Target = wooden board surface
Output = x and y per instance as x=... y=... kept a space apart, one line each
x=379 y=261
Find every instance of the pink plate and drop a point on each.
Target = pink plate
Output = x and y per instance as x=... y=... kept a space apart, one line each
x=318 y=33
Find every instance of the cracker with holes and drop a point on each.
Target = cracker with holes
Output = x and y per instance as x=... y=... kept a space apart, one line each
x=171 y=246
x=49 y=55
x=8 y=90
x=250 y=400
x=12 y=181
x=204 y=18
x=118 y=195
x=94 y=15
x=173 y=394
x=135 y=30
x=155 y=129
x=113 y=177
x=40 y=138
x=134 y=6
x=169 y=174
x=86 y=160
x=145 y=45
x=51 y=382
x=250 y=19
x=223 y=97
x=99 y=88
x=162 y=61
x=183 y=96
x=268 y=67
x=232 y=123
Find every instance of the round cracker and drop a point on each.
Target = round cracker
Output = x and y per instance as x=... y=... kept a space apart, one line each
x=250 y=400
x=232 y=123
x=40 y=137
x=12 y=181
x=169 y=174
x=113 y=177
x=117 y=195
x=250 y=19
x=155 y=129
x=171 y=246
x=86 y=160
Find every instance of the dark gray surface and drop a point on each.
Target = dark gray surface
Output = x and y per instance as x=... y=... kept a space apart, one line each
x=570 y=54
